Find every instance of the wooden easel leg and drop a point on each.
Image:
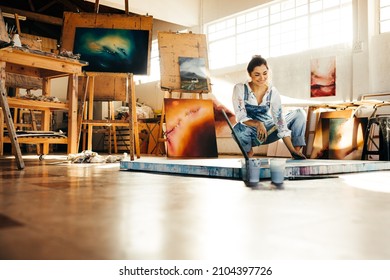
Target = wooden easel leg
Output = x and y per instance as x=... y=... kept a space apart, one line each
x=8 y=118
x=84 y=128
x=133 y=123
x=34 y=127
x=90 y=112
x=72 y=115
x=161 y=140
x=81 y=110
x=1 y=132
x=130 y=104
x=112 y=128
x=45 y=127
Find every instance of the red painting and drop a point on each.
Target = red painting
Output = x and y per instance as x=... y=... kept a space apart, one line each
x=323 y=77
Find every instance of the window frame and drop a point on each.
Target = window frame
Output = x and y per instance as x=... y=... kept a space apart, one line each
x=278 y=17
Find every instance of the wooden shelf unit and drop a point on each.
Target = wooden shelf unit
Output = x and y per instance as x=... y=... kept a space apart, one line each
x=46 y=109
x=45 y=67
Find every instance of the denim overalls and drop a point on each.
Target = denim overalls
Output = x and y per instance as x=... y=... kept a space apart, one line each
x=296 y=122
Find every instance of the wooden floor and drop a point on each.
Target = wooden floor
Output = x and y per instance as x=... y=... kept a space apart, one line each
x=57 y=210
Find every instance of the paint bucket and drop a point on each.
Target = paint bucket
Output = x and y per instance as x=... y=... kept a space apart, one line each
x=277 y=168
x=251 y=171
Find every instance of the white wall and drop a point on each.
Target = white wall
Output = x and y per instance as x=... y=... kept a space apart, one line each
x=178 y=12
x=215 y=9
x=379 y=63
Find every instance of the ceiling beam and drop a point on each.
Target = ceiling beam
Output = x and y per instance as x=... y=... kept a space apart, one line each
x=30 y=3
x=48 y=5
x=33 y=16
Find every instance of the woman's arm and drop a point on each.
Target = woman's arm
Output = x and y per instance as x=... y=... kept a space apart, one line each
x=239 y=103
x=277 y=114
x=262 y=133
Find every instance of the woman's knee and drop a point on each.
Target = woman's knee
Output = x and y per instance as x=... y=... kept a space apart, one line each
x=301 y=114
x=300 y=117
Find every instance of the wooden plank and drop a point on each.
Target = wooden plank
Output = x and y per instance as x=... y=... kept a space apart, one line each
x=41 y=60
x=107 y=88
x=23 y=81
x=337 y=114
x=23 y=70
x=38 y=140
x=34 y=16
x=8 y=118
x=14 y=102
x=106 y=122
x=39 y=42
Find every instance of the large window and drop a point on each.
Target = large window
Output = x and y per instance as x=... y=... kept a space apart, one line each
x=154 y=74
x=279 y=28
x=384 y=16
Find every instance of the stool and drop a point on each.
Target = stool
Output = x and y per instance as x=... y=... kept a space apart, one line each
x=383 y=150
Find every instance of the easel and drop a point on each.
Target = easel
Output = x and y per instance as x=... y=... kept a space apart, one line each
x=173 y=45
x=114 y=21
x=87 y=122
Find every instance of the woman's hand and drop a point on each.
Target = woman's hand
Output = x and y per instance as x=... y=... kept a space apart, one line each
x=261 y=132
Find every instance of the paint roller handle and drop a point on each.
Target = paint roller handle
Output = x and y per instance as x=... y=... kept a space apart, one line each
x=235 y=136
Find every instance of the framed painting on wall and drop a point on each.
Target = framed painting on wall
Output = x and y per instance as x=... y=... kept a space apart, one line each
x=190 y=128
x=323 y=77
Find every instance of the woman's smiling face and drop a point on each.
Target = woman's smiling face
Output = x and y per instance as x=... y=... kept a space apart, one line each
x=259 y=75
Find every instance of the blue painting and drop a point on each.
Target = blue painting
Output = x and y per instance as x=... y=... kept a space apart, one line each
x=113 y=50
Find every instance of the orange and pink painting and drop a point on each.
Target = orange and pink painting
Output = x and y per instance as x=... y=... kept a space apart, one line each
x=190 y=128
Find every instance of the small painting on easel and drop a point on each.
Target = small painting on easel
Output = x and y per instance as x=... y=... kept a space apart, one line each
x=190 y=128
x=193 y=74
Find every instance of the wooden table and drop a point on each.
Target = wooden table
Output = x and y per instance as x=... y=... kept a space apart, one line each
x=37 y=64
